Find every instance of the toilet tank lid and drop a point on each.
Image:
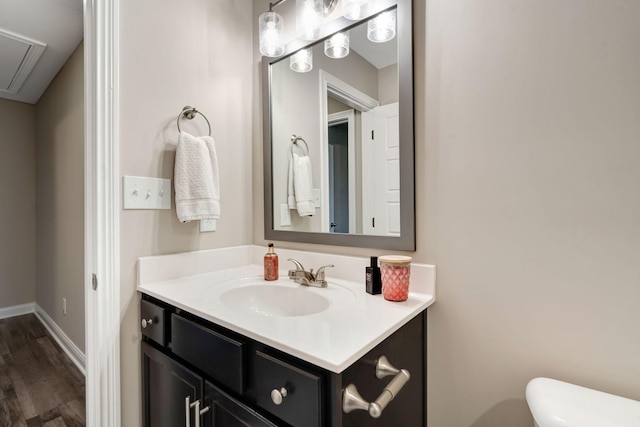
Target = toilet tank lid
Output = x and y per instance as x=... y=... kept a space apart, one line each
x=556 y=403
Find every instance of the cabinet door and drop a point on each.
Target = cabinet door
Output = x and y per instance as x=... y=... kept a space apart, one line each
x=166 y=384
x=225 y=411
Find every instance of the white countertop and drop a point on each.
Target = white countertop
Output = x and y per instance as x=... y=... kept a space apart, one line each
x=354 y=323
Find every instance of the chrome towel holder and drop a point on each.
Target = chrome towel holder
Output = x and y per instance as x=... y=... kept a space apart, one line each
x=189 y=113
x=294 y=141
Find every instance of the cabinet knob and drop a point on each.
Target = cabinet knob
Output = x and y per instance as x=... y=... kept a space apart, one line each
x=278 y=395
x=146 y=322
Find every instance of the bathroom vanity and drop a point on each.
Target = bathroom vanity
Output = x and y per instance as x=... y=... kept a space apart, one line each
x=228 y=349
x=192 y=366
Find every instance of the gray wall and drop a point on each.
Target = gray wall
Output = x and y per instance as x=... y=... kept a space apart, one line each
x=60 y=198
x=527 y=142
x=176 y=54
x=388 y=84
x=526 y=138
x=529 y=194
x=17 y=206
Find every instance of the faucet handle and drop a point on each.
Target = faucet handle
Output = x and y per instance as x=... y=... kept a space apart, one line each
x=299 y=266
x=320 y=272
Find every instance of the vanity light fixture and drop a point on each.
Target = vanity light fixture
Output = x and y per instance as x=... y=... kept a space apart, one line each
x=337 y=46
x=354 y=9
x=271 y=27
x=301 y=61
x=382 y=28
x=309 y=16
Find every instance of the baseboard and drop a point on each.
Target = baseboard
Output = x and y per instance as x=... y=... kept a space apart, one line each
x=75 y=354
x=17 y=310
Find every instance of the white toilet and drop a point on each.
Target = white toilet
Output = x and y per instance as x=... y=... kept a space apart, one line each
x=555 y=403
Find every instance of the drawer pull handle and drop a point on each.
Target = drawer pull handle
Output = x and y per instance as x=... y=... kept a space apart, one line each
x=351 y=399
x=187 y=411
x=205 y=410
x=146 y=322
x=278 y=395
x=198 y=412
x=196 y=404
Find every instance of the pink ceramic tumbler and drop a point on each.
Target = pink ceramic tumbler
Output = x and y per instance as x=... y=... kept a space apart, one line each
x=395 y=271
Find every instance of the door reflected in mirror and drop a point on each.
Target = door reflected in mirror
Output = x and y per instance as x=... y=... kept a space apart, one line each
x=342 y=211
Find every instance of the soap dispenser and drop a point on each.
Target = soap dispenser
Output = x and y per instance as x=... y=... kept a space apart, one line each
x=271 y=264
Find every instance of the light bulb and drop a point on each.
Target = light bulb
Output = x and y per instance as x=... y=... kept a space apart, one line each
x=382 y=28
x=309 y=18
x=354 y=9
x=271 y=29
x=301 y=61
x=337 y=46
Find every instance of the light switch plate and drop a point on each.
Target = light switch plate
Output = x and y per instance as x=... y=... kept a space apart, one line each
x=316 y=197
x=208 y=225
x=285 y=215
x=146 y=193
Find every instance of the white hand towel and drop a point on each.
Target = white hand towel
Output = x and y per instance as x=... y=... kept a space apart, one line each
x=303 y=185
x=291 y=195
x=196 y=179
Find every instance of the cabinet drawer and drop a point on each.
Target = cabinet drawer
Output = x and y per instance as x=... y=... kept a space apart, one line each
x=302 y=404
x=156 y=329
x=219 y=356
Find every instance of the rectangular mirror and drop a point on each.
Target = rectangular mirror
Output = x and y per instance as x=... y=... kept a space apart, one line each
x=338 y=135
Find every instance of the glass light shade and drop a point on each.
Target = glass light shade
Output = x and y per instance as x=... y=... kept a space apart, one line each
x=337 y=46
x=354 y=9
x=270 y=26
x=301 y=61
x=309 y=18
x=382 y=28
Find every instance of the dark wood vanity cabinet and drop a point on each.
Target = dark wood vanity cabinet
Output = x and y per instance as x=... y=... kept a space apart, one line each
x=229 y=412
x=167 y=384
x=216 y=377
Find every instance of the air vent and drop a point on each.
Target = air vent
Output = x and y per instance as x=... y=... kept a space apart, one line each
x=19 y=55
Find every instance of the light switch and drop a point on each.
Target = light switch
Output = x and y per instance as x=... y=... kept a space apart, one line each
x=146 y=193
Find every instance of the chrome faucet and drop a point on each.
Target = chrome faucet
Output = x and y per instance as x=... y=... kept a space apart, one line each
x=308 y=278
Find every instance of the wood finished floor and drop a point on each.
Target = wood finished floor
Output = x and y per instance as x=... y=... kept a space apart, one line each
x=39 y=385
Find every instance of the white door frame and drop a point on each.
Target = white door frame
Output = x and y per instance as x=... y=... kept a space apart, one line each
x=102 y=213
x=348 y=95
x=348 y=117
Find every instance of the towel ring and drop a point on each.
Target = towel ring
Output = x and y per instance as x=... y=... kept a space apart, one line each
x=189 y=113
x=295 y=139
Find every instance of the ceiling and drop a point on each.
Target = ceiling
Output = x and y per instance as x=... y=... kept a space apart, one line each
x=36 y=39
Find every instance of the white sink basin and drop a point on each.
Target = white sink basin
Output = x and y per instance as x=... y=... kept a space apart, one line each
x=275 y=300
